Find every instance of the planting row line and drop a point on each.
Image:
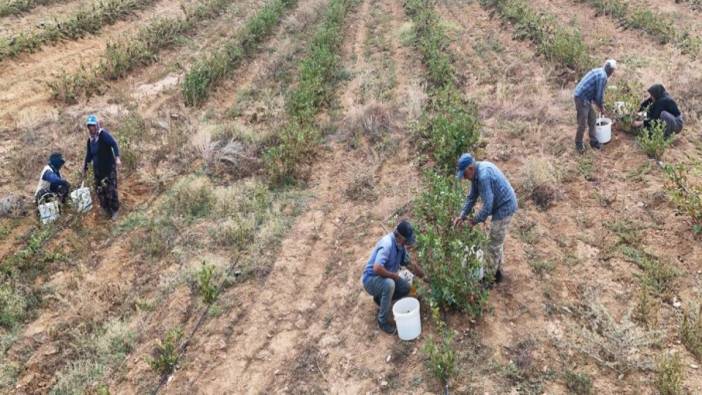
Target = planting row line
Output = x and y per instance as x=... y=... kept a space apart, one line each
x=87 y=21
x=17 y=7
x=121 y=58
x=659 y=26
x=204 y=75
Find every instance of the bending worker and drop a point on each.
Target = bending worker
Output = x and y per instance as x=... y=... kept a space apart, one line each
x=103 y=151
x=660 y=106
x=499 y=201
x=380 y=278
x=50 y=180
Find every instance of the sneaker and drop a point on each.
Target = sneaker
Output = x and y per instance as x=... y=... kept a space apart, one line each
x=595 y=145
x=387 y=327
x=580 y=148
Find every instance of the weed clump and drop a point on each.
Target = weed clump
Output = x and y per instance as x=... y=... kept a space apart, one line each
x=691 y=331
x=205 y=284
x=578 y=383
x=653 y=140
x=192 y=198
x=13 y=306
x=540 y=182
x=687 y=197
x=669 y=378
x=441 y=357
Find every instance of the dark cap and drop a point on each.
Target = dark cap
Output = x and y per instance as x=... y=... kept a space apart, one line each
x=56 y=160
x=405 y=230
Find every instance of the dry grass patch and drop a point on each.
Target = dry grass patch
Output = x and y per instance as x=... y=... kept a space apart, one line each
x=540 y=181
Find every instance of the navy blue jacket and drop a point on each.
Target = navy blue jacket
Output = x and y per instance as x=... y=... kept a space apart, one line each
x=102 y=154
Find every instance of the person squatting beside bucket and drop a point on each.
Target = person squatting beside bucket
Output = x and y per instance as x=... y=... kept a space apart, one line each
x=50 y=180
x=660 y=106
x=499 y=201
x=380 y=276
x=590 y=90
x=102 y=150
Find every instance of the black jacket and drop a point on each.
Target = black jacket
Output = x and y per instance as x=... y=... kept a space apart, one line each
x=104 y=157
x=659 y=101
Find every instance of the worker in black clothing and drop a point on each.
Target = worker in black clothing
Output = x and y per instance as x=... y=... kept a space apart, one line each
x=660 y=106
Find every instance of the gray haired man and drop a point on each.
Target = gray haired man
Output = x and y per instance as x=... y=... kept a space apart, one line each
x=590 y=90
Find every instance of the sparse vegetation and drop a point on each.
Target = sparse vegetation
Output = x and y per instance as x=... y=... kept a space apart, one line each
x=165 y=355
x=669 y=379
x=578 y=383
x=540 y=182
x=691 y=330
x=202 y=77
x=687 y=197
x=17 y=7
x=85 y=21
x=652 y=139
x=441 y=357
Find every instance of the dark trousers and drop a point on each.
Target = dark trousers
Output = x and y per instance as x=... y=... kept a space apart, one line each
x=60 y=190
x=106 y=191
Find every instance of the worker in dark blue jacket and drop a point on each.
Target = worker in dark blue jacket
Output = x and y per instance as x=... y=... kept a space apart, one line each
x=50 y=180
x=103 y=152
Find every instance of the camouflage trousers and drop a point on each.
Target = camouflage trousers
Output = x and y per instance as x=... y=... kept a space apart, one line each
x=106 y=190
x=496 y=244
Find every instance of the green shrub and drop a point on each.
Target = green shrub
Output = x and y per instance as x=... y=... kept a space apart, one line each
x=669 y=378
x=691 y=331
x=13 y=306
x=687 y=197
x=205 y=283
x=659 y=277
x=652 y=139
x=160 y=234
x=165 y=355
x=191 y=198
x=17 y=7
x=623 y=100
x=441 y=357
x=130 y=132
x=578 y=383
x=68 y=88
x=289 y=160
x=447 y=254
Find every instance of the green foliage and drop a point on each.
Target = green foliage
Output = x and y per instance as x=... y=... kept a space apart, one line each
x=17 y=7
x=432 y=41
x=205 y=283
x=623 y=100
x=204 y=75
x=191 y=198
x=670 y=375
x=165 y=355
x=289 y=159
x=659 y=277
x=578 y=383
x=13 y=306
x=691 y=330
x=448 y=255
x=652 y=139
x=130 y=132
x=67 y=88
x=687 y=197
x=557 y=43
x=83 y=22
x=159 y=237
x=441 y=357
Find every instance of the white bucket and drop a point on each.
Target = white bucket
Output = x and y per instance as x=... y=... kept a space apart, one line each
x=406 y=312
x=603 y=130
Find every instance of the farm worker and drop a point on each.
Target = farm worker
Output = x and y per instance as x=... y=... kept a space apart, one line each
x=591 y=90
x=660 y=106
x=499 y=201
x=102 y=150
x=380 y=276
x=50 y=180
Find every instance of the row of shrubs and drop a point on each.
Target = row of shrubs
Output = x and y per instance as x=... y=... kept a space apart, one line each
x=658 y=25
x=294 y=148
x=17 y=7
x=122 y=57
x=204 y=75
x=85 y=21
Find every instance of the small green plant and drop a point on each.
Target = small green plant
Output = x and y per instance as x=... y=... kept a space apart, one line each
x=623 y=99
x=657 y=276
x=13 y=306
x=578 y=383
x=68 y=88
x=205 y=283
x=131 y=131
x=290 y=159
x=17 y=7
x=192 y=198
x=669 y=377
x=687 y=197
x=652 y=139
x=165 y=355
x=646 y=309
x=540 y=267
x=691 y=330
x=441 y=357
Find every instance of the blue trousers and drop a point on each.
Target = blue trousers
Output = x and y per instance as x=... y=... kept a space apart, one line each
x=387 y=290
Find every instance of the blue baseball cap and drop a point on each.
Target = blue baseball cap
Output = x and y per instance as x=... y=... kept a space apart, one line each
x=463 y=162
x=92 y=120
x=404 y=228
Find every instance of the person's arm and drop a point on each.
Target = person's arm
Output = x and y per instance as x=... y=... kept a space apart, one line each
x=488 y=197
x=110 y=141
x=600 y=85
x=381 y=259
x=470 y=201
x=644 y=104
x=51 y=177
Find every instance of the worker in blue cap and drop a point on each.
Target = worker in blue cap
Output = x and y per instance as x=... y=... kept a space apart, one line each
x=499 y=202
x=103 y=152
x=50 y=180
x=380 y=276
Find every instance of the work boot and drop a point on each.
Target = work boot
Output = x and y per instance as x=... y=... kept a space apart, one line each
x=580 y=148
x=387 y=327
x=595 y=145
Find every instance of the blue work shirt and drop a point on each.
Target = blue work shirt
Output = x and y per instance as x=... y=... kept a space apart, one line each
x=499 y=199
x=388 y=253
x=592 y=86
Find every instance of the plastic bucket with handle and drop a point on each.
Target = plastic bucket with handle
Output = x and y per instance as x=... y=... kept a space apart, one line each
x=603 y=130
x=406 y=313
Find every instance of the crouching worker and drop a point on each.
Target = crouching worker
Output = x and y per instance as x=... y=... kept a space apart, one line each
x=50 y=180
x=380 y=277
x=660 y=106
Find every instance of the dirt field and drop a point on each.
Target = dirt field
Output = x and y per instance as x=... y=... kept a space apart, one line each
x=88 y=302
